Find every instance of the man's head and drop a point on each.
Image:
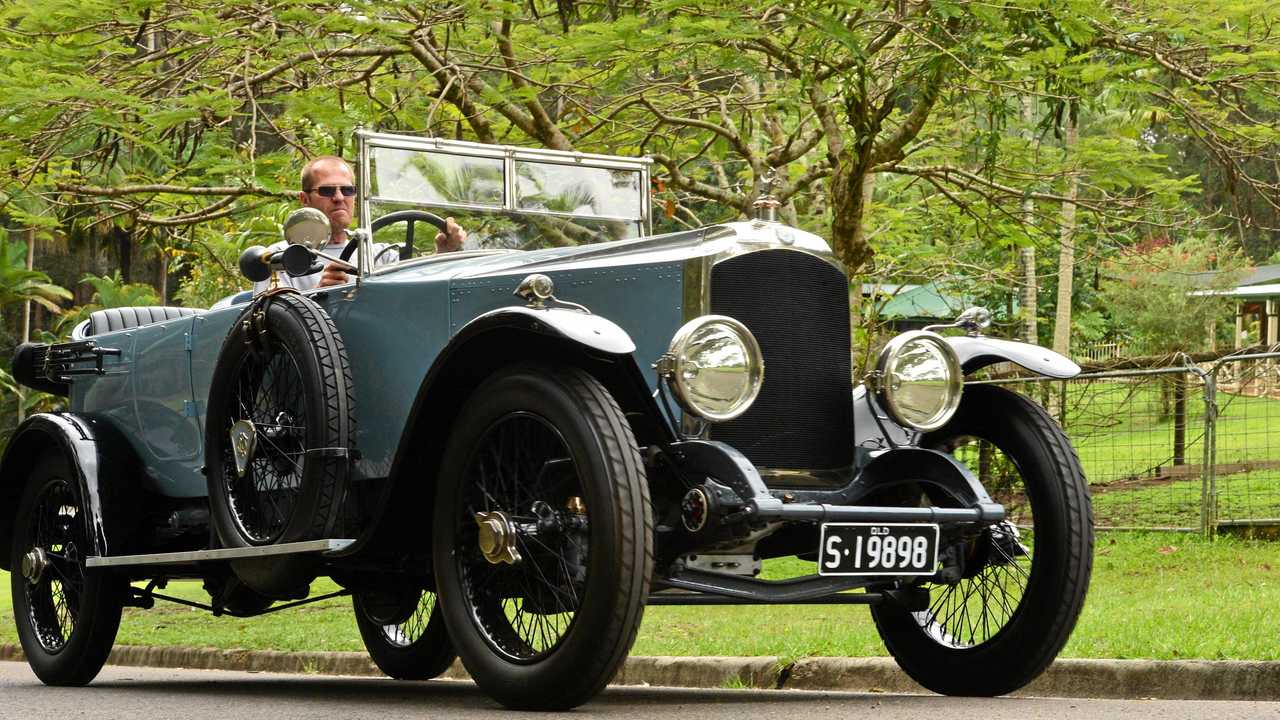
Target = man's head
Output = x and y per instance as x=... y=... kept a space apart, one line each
x=325 y=183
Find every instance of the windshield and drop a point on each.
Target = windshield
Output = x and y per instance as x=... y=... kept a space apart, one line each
x=504 y=197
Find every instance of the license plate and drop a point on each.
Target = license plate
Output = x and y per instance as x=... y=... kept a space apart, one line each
x=878 y=549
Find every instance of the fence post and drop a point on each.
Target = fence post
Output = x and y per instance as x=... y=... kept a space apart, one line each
x=1208 y=471
x=1180 y=419
x=1062 y=404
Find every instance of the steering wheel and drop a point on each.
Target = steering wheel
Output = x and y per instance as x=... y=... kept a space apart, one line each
x=406 y=216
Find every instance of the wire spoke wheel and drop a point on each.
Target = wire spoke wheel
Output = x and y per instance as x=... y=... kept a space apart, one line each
x=404 y=633
x=542 y=537
x=53 y=601
x=995 y=566
x=521 y=468
x=411 y=630
x=66 y=615
x=269 y=392
x=1006 y=596
x=279 y=436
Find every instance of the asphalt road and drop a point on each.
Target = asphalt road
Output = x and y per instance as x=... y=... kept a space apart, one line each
x=129 y=692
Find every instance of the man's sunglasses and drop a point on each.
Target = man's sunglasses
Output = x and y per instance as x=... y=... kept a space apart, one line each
x=328 y=191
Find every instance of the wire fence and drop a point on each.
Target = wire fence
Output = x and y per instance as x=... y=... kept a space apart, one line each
x=1193 y=448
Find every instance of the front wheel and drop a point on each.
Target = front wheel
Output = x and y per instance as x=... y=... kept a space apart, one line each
x=542 y=537
x=67 y=615
x=404 y=633
x=1009 y=596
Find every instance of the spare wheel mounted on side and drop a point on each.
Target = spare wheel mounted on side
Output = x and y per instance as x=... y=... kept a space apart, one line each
x=277 y=438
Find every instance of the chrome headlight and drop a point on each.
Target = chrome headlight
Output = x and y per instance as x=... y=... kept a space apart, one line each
x=918 y=380
x=715 y=367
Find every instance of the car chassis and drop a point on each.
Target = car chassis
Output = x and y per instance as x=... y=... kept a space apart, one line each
x=515 y=484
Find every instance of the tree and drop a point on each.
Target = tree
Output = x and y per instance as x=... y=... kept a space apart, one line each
x=1161 y=296
x=152 y=117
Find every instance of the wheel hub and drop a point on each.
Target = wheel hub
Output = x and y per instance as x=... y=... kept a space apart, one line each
x=244 y=439
x=497 y=538
x=1008 y=543
x=34 y=563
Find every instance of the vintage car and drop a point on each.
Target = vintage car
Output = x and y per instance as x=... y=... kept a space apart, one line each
x=505 y=454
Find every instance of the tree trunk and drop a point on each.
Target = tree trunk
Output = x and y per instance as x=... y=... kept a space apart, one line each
x=26 y=306
x=162 y=276
x=850 y=194
x=855 y=283
x=124 y=250
x=1066 y=249
x=1027 y=255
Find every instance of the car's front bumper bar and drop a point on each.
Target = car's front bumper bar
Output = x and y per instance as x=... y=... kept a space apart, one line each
x=982 y=513
x=727 y=466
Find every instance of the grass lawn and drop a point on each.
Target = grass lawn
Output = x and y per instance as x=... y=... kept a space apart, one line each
x=1157 y=595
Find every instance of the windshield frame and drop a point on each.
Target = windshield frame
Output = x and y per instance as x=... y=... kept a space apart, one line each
x=368 y=141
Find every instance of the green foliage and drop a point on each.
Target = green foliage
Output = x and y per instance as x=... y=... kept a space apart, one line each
x=109 y=291
x=18 y=284
x=208 y=262
x=1164 y=300
x=145 y=119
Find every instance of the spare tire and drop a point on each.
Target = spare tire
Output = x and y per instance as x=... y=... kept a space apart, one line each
x=283 y=384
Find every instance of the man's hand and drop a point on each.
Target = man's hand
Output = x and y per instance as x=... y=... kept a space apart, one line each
x=333 y=275
x=451 y=239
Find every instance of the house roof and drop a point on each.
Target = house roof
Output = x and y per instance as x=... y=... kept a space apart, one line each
x=923 y=301
x=1260 y=275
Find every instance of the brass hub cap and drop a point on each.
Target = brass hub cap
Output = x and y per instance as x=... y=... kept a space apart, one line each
x=497 y=538
x=34 y=564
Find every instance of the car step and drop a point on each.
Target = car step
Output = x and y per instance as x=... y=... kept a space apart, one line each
x=193 y=556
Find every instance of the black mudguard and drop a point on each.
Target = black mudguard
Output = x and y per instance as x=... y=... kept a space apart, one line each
x=105 y=468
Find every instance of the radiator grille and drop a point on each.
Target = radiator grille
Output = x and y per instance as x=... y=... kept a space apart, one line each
x=797 y=306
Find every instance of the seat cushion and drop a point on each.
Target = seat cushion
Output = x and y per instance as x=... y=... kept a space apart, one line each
x=123 y=318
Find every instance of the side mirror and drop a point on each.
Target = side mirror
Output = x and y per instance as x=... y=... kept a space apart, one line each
x=308 y=227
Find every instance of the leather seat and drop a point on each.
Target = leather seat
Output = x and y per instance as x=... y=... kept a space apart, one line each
x=123 y=318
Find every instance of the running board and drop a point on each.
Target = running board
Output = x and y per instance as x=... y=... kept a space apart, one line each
x=195 y=556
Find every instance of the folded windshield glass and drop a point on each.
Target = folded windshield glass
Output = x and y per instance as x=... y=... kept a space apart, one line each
x=509 y=197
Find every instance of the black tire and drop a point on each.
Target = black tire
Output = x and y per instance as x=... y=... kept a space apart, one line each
x=1002 y=622
x=405 y=636
x=67 y=619
x=297 y=370
x=551 y=451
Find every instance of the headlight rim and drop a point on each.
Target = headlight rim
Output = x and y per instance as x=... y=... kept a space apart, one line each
x=669 y=366
x=883 y=391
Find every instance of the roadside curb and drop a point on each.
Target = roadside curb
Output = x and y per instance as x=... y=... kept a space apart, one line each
x=1119 y=679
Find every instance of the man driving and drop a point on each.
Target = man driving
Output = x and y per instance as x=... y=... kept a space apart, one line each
x=328 y=184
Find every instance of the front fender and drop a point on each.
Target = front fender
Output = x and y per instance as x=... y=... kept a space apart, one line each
x=978 y=352
x=874 y=429
x=590 y=331
x=489 y=342
x=102 y=474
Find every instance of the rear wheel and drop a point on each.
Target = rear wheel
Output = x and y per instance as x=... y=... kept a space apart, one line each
x=404 y=634
x=67 y=615
x=1014 y=590
x=542 y=537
